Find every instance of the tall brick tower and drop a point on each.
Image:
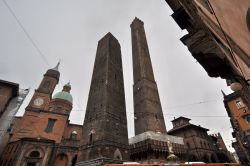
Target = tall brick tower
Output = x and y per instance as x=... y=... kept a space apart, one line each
x=147 y=105
x=105 y=125
x=151 y=142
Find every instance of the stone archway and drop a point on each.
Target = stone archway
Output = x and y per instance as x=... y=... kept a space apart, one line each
x=213 y=158
x=192 y=157
x=223 y=158
x=61 y=160
x=33 y=156
x=205 y=159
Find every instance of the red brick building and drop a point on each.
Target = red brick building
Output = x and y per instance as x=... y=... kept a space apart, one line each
x=44 y=135
x=11 y=98
x=237 y=106
x=223 y=154
x=8 y=91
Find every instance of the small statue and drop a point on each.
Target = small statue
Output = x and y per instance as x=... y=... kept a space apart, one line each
x=171 y=159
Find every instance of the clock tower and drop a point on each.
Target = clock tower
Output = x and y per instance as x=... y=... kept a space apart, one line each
x=37 y=112
x=42 y=95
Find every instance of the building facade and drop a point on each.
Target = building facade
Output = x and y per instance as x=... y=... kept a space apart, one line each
x=44 y=136
x=201 y=146
x=218 y=38
x=237 y=106
x=11 y=98
x=8 y=91
x=218 y=35
x=222 y=153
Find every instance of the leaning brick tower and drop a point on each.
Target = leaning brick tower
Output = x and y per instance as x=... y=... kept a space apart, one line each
x=105 y=136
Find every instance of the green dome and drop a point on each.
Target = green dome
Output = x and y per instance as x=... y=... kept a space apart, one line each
x=64 y=96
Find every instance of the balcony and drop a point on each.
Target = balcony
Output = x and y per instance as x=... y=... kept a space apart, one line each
x=182 y=18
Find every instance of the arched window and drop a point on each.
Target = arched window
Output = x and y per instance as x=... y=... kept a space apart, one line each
x=90 y=138
x=34 y=154
x=73 y=135
x=247 y=118
x=33 y=158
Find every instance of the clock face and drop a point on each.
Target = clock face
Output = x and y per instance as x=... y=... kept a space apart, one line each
x=38 y=101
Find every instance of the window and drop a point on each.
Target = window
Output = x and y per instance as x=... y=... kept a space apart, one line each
x=90 y=138
x=73 y=135
x=247 y=118
x=248 y=19
x=34 y=154
x=50 y=125
x=31 y=164
x=10 y=128
x=33 y=158
x=46 y=84
x=239 y=104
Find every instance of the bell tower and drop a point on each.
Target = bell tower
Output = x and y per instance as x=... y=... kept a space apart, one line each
x=42 y=95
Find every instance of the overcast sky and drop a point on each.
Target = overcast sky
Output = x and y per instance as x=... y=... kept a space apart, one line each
x=69 y=30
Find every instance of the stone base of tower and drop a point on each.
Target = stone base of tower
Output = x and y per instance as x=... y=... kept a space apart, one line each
x=103 y=152
x=152 y=148
x=99 y=162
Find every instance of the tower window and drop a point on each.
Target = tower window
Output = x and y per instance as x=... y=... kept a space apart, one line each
x=58 y=109
x=46 y=84
x=239 y=104
x=50 y=125
x=90 y=138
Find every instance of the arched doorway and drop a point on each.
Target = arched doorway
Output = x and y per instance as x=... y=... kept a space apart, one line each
x=213 y=158
x=61 y=160
x=73 y=162
x=192 y=157
x=205 y=159
x=223 y=158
